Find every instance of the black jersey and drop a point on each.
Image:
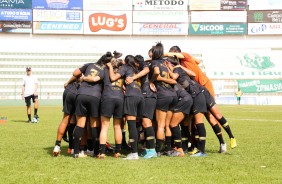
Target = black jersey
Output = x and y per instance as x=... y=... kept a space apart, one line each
x=191 y=86
x=134 y=88
x=92 y=88
x=112 y=89
x=145 y=85
x=163 y=89
x=180 y=91
x=72 y=87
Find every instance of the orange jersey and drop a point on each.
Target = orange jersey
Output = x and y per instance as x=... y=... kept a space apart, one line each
x=189 y=62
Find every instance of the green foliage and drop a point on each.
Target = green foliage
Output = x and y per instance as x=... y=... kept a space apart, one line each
x=26 y=153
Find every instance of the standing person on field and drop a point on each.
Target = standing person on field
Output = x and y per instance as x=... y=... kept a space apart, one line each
x=29 y=91
x=238 y=94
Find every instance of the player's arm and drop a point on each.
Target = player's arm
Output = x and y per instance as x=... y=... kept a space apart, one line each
x=166 y=80
x=35 y=88
x=71 y=80
x=142 y=73
x=189 y=72
x=177 y=54
x=113 y=76
x=91 y=78
x=23 y=89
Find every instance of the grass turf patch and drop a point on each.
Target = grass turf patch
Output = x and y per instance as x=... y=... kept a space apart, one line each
x=26 y=153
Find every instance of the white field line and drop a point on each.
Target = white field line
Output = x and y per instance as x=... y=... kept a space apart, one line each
x=249 y=119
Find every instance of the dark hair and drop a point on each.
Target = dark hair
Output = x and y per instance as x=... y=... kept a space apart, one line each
x=139 y=59
x=105 y=58
x=130 y=61
x=174 y=49
x=173 y=60
x=157 y=51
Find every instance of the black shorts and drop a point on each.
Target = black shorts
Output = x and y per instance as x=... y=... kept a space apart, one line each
x=209 y=99
x=112 y=107
x=69 y=104
x=199 y=104
x=167 y=103
x=86 y=105
x=149 y=108
x=133 y=106
x=28 y=98
x=64 y=96
x=184 y=105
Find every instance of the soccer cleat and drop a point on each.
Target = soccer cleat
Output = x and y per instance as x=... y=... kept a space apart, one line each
x=70 y=151
x=109 y=148
x=35 y=119
x=89 y=153
x=151 y=153
x=222 y=148
x=198 y=154
x=144 y=152
x=56 y=151
x=80 y=155
x=233 y=143
x=195 y=150
x=177 y=153
x=28 y=121
x=101 y=156
x=132 y=156
x=167 y=153
x=118 y=155
x=159 y=154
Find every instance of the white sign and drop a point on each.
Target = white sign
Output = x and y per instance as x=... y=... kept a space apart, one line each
x=204 y=4
x=218 y=16
x=161 y=5
x=57 y=15
x=107 y=5
x=264 y=28
x=160 y=16
x=241 y=64
x=108 y=22
x=265 y=5
x=160 y=29
x=57 y=27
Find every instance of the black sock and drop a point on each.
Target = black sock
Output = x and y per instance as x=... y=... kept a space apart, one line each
x=97 y=143
x=226 y=127
x=70 y=132
x=185 y=134
x=124 y=137
x=77 y=134
x=218 y=133
x=94 y=132
x=202 y=136
x=29 y=117
x=90 y=144
x=150 y=137
x=167 y=143
x=159 y=145
x=35 y=111
x=102 y=148
x=58 y=143
x=117 y=148
x=176 y=134
x=133 y=135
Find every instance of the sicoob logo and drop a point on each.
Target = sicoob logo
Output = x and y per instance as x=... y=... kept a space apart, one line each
x=98 y=21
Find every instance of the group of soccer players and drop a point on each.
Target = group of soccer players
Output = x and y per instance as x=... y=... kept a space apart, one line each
x=167 y=97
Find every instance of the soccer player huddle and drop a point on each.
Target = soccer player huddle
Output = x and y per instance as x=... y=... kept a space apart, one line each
x=166 y=97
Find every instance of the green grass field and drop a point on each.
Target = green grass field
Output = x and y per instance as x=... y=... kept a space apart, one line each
x=26 y=153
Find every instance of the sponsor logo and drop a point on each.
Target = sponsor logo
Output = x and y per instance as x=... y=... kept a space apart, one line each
x=98 y=21
x=57 y=3
x=259 y=28
x=255 y=61
x=10 y=3
x=258 y=17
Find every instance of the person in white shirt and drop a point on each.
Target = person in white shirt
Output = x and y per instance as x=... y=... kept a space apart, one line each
x=29 y=91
